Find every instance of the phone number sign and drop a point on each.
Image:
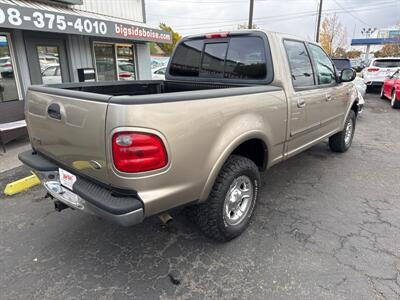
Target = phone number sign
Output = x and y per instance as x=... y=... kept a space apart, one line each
x=12 y=16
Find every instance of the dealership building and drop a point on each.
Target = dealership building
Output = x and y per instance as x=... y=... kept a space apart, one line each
x=46 y=42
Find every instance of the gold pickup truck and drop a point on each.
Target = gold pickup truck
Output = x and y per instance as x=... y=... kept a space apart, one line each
x=232 y=105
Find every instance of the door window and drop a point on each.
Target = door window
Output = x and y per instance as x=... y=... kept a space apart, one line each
x=8 y=83
x=325 y=69
x=300 y=64
x=126 y=64
x=105 y=61
x=49 y=62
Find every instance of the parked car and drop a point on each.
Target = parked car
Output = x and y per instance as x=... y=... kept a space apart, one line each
x=342 y=63
x=391 y=89
x=378 y=70
x=51 y=74
x=159 y=73
x=357 y=64
x=6 y=68
x=232 y=105
x=126 y=70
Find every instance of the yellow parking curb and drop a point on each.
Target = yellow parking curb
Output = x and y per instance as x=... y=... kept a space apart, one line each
x=21 y=185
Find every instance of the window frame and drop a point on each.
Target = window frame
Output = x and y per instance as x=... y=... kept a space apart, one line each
x=300 y=88
x=316 y=72
x=258 y=34
x=15 y=66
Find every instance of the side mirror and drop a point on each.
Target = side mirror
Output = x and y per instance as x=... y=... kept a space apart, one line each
x=347 y=75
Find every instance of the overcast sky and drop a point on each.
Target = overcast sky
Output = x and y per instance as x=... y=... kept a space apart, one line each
x=297 y=17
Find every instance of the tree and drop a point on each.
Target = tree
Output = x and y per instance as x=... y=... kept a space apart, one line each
x=353 y=54
x=340 y=53
x=333 y=34
x=167 y=48
x=389 y=50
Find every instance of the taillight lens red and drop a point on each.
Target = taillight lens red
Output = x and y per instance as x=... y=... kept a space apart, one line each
x=125 y=75
x=138 y=152
x=373 y=69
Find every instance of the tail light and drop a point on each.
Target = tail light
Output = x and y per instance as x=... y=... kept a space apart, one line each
x=125 y=75
x=138 y=152
x=217 y=35
x=7 y=65
x=373 y=69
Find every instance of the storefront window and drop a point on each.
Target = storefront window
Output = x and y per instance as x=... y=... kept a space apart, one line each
x=49 y=64
x=114 y=62
x=8 y=83
x=105 y=62
x=126 y=65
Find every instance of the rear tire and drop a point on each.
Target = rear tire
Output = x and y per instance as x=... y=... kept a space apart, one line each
x=230 y=205
x=394 y=102
x=341 y=141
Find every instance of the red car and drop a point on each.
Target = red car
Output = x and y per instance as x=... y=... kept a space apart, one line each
x=391 y=89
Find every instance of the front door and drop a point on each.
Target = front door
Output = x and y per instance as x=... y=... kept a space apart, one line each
x=306 y=101
x=47 y=60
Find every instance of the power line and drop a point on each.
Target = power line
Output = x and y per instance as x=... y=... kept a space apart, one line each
x=350 y=13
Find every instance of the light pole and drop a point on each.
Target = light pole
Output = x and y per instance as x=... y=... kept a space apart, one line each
x=251 y=14
x=367 y=32
x=318 y=21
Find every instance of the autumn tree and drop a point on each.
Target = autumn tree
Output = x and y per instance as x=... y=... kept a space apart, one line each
x=168 y=48
x=340 y=53
x=353 y=54
x=333 y=34
x=389 y=50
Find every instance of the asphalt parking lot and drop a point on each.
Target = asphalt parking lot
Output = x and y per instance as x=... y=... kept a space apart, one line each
x=327 y=226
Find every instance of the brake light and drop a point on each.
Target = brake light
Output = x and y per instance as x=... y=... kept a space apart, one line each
x=138 y=152
x=125 y=75
x=373 y=69
x=217 y=35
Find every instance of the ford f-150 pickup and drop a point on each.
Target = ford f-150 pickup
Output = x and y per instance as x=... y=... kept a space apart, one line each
x=232 y=105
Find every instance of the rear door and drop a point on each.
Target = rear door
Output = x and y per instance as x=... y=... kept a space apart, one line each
x=69 y=130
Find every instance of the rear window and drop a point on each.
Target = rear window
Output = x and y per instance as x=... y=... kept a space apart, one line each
x=234 y=58
x=387 y=63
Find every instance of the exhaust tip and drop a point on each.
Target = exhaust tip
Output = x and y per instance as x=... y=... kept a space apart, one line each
x=165 y=218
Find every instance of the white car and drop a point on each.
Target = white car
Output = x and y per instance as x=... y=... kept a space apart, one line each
x=159 y=73
x=51 y=74
x=378 y=69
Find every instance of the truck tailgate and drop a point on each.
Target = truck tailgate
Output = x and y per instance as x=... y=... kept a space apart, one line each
x=69 y=130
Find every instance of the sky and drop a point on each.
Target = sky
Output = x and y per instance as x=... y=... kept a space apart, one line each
x=297 y=17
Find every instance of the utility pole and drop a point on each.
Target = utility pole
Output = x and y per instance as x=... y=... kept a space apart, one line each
x=318 y=21
x=251 y=14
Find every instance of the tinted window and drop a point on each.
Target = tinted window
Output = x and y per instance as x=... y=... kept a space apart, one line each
x=246 y=59
x=325 y=69
x=186 y=60
x=342 y=64
x=214 y=59
x=300 y=64
x=387 y=63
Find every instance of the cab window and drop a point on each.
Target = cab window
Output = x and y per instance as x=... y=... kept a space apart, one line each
x=300 y=64
x=324 y=66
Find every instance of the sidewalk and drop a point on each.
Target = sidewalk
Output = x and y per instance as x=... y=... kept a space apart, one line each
x=9 y=160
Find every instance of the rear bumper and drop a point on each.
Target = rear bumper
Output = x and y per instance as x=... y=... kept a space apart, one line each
x=87 y=196
x=373 y=83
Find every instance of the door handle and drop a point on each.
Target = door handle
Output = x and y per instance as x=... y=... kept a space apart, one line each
x=301 y=102
x=54 y=111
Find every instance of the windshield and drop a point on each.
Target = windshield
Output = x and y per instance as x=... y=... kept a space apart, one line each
x=387 y=63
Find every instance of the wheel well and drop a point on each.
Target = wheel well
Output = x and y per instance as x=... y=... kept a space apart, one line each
x=354 y=107
x=255 y=150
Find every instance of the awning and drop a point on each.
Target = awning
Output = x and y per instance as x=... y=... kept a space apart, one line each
x=25 y=15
